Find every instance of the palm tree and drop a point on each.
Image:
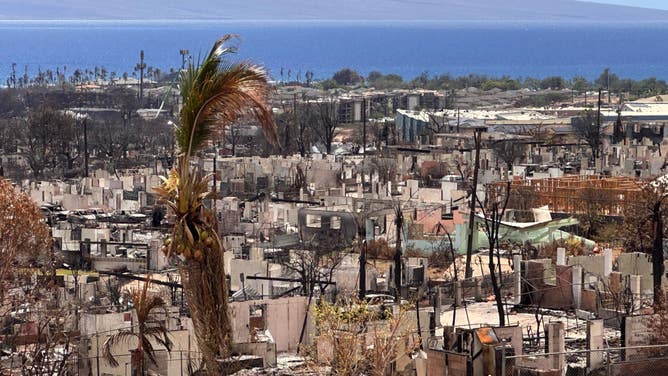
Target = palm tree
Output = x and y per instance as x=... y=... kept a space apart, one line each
x=147 y=329
x=215 y=94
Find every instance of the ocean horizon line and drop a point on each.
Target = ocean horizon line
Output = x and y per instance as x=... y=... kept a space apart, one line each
x=316 y=22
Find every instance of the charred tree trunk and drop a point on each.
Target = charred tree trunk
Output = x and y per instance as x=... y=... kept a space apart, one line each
x=657 y=254
x=399 y=222
x=496 y=287
x=474 y=195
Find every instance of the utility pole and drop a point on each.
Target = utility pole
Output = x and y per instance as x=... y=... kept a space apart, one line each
x=598 y=120
x=362 y=281
x=598 y=113
x=140 y=67
x=399 y=222
x=183 y=53
x=363 y=270
x=572 y=96
x=469 y=244
x=364 y=146
x=97 y=353
x=85 y=127
x=457 y=119
x=364 y=126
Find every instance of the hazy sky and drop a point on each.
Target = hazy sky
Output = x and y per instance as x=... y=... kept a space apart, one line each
x=658 y=4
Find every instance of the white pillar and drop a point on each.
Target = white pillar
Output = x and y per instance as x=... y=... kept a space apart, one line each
x=635 y=291
x=458 y=294
x=517 y=275
x=577 y=286
x=437 y=309
x=478 y=290
x=247 y=210
x=561 y=256
x=556 y=343
x=607 y=262
x=594 y=342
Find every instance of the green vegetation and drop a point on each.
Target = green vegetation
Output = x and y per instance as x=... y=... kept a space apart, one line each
x=606 y=81
x=380 y=81
x=347 y=76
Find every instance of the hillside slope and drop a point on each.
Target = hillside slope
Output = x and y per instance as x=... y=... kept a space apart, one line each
x=481 y=10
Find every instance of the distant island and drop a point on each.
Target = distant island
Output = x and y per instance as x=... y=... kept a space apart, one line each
x=447 y=10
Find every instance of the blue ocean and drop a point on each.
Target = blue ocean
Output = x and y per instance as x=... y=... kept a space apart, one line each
x=404 y=48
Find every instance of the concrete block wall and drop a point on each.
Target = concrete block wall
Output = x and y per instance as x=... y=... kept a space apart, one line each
x=593 y=264
x=555 y=296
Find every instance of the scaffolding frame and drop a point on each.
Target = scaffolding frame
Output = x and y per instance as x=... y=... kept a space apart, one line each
x=573 y=194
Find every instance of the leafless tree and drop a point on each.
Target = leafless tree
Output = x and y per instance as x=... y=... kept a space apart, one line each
x=588 y=127
x=646 y=216
x=42 y=345
x=306 y=117
x=620 y=300
x=111 y=142
x=314 y=268
x=233 y=136
x=493 y=210
x=328 y=123
x=438 y=124
x=295 y=125
x=591 y=219
x=477 y=135
x=509 y=151
x=50 y=136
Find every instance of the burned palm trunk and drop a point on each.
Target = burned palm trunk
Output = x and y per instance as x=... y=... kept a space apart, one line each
x=206 y=294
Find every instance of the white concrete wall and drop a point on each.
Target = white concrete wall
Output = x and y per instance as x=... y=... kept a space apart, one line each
x=95 y=234
x=284 y=319
x=432 y=195
x=590 y=264
x=111 y=263
x=90 y=324
x=66 y=234
x=74 y=201
x=252 y=268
